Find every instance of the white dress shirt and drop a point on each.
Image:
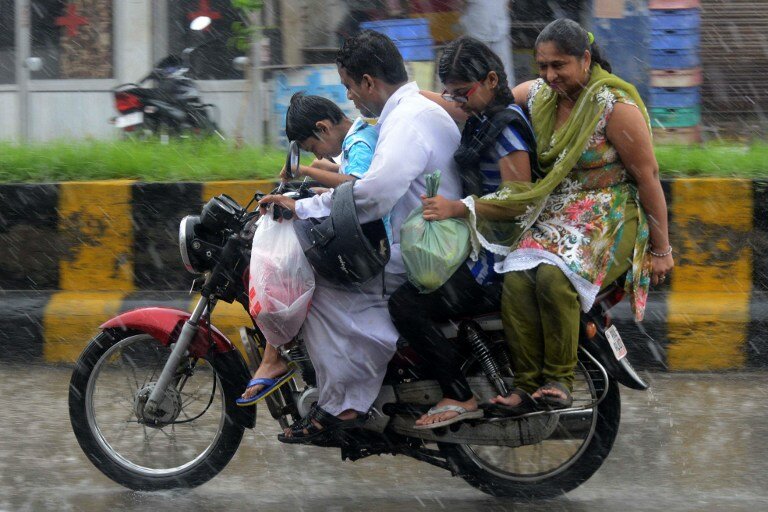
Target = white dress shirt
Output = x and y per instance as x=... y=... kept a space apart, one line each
x=416 y=138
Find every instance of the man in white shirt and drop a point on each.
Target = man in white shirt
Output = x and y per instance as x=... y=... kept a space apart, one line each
x=416 y=137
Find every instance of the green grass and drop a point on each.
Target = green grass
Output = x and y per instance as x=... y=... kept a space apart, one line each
x=184 y=160
x=714 y=160
x=216 y=160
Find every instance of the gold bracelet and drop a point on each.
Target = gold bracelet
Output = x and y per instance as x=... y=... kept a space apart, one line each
x=661 y=254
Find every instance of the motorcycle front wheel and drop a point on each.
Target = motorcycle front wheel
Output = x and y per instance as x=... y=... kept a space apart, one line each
x=186 y=445
x=576 y=449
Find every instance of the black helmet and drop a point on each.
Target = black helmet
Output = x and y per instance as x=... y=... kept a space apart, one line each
x=338 y=247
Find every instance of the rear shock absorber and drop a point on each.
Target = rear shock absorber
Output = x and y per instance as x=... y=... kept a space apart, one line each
x=473 y=333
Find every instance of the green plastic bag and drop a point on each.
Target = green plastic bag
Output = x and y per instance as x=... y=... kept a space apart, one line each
x=432 y=250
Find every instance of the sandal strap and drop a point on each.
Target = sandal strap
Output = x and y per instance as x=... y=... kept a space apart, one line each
x=447 y=408
x=323 y=417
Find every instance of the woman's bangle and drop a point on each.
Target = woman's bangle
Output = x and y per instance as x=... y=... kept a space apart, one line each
x=661 y=254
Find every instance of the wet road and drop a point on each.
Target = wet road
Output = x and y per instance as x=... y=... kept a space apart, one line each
x=693 y=442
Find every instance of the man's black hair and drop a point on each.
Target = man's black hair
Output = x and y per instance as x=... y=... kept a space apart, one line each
x=305 y=111
x=372 y=53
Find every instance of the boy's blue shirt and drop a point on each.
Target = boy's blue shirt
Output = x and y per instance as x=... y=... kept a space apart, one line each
x=357 y=151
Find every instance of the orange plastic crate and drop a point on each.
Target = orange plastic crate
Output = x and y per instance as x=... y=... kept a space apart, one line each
x=674 y=4
x=690 y=77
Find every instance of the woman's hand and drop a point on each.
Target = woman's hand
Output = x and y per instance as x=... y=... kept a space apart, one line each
x=661 y=266
x=283 y=201
x=440 y=208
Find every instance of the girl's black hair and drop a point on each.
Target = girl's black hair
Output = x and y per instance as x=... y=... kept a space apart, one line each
x=571 y=39
x=469 y=60
x=305 y=111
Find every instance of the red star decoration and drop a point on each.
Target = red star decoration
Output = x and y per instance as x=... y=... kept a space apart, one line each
x=204 y=9
x=71 y=20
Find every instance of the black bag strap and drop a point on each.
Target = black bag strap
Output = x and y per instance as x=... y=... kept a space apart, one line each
x=479 y=134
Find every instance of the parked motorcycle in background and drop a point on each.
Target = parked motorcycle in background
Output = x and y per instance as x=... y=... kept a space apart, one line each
x=167 y=101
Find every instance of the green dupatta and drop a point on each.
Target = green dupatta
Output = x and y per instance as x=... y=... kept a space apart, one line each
x=500 y=218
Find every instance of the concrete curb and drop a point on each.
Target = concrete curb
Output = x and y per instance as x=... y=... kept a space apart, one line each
x=74 y=254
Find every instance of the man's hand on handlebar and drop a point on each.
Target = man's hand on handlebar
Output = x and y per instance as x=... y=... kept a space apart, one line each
x=284 y=207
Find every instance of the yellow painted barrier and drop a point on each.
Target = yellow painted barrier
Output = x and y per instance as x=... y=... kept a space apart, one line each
x=95 y=223
x=708 y=307
x=71 y=319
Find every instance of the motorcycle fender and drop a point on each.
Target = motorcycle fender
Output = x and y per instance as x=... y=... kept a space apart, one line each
x=164 y=324
x=621 y=370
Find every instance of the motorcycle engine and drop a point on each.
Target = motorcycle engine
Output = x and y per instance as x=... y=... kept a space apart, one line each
x=306 y=400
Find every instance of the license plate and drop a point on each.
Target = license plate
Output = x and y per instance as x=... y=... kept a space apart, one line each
x=131 y=119
x=617 y=345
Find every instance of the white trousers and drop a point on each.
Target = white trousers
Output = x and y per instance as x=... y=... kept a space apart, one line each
x=350 y=339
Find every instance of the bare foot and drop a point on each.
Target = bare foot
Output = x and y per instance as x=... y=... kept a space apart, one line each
x=427 y=419
x=267 y=370
x=511 y=400
x=554 y=392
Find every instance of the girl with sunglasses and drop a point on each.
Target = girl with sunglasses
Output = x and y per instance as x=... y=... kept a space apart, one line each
x=497 y=146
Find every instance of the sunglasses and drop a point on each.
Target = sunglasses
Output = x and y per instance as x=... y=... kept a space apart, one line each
x=460 y=98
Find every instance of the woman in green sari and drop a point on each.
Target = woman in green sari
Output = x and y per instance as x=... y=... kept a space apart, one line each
x=598 y=213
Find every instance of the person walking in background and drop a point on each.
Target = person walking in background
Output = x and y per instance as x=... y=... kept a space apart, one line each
x=490 y=22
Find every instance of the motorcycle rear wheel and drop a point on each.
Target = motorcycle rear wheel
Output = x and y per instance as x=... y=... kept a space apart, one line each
x=556 y=465
x=192 y=444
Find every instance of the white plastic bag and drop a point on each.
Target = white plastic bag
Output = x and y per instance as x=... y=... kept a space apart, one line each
x=281 y=281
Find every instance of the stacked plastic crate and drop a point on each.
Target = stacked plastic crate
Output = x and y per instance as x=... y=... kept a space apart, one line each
x=411 y=36
x=675 y=99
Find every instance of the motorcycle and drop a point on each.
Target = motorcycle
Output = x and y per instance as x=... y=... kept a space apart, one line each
x=166 y=102
x=152 y=397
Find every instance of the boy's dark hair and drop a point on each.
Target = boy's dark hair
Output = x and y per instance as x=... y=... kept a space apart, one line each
x=305 y=111
x=372 y=53
x=469 y=60
x=571 y=39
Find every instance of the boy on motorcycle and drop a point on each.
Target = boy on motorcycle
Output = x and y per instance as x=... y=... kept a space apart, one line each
x=416 y=136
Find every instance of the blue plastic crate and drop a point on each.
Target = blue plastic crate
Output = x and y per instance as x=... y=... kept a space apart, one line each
x=675 y=97
x=675 y=19
x=412 y=28
x=675 y=39
x=420 y=49
x=675 y=58
x=411 y=36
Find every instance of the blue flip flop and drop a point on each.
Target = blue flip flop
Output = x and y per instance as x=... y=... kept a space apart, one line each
x=270 y=386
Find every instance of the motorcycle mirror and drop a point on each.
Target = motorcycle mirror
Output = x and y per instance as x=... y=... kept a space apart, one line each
x=292 y=160
x=200 y=23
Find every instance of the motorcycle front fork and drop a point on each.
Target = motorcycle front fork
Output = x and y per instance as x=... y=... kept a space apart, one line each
x=179 y=352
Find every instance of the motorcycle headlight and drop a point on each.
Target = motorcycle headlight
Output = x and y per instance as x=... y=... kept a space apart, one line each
x=199 y=247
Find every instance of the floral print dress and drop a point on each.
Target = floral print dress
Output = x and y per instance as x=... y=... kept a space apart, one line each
x=581 y=223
